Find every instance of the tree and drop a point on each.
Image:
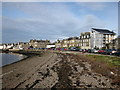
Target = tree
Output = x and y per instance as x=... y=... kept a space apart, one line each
x=107 y=46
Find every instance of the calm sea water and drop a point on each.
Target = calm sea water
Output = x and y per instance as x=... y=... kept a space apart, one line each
x=8 y=58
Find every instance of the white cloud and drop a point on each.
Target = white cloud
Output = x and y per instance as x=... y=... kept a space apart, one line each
x=53 y=21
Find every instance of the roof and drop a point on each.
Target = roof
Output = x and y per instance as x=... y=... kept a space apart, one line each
x=39 y=40
x=103 y=31
x=85 y=33
x=71 y=38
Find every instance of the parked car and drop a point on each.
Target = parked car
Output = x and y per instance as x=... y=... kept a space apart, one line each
x=101 y=51
x=58 y=49
x=94 y=51
x=113 y=51
x=74 y=49
x=89 y=50
x=65 y=49
x=85 y=50
x=80 y=50
x=117 y=53
x=62 y=49
x=108 y=51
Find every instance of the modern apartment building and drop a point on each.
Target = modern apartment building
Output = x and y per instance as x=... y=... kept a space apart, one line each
x=113 y=44
x=101 y=37
x=85 y=40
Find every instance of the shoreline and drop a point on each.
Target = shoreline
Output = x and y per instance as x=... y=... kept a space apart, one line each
x=54 y=70
x=17 y=72
x=27 y=57
x=25 y=53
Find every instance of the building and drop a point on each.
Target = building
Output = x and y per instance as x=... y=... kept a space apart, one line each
x=113 y=44
x=117 y=43
x=100 y=38
x=118 y=47
x=3 y=46
x=9 y=46
x=74 y=42
x=70 y=42
x=6 y=46
x=67 y=43
x=21 y=45
x=50 y=46
x=85 y=40
x=39 y=43
x=58 y=44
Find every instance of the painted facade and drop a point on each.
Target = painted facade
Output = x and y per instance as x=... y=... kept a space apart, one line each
x=85 y=40
x=39 y=43
x=100 y=38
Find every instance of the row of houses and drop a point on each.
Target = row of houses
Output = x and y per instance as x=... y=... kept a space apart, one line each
x=26 y=45
x=95 y=39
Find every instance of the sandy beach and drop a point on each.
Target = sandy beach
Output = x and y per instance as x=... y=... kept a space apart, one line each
x=53 y=70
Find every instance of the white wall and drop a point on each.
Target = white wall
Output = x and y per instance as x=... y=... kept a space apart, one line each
x=96 y=40
x=50 y=46
x=1 y=47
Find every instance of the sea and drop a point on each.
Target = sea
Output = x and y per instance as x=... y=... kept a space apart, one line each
x=8 y=58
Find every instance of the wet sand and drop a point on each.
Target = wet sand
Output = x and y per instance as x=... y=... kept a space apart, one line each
x=15 y=74
x=53 y=70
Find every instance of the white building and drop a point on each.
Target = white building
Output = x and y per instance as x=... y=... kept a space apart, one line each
x=9 y=46
x=1 y=46
x=6 y=46
x=50 y=46
x=101 y=37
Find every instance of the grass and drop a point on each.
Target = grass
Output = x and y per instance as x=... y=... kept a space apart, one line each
x=114 y=61
x=105 y=65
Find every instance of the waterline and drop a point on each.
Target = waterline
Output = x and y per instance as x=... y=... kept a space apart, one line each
x=8 y=58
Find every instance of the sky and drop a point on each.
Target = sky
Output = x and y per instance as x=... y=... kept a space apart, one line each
x=22 y=21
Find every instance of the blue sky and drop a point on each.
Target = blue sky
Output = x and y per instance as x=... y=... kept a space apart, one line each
x=22 y=21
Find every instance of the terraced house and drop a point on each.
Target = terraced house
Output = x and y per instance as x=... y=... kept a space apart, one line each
x=58 y=44
x=96 y=38
x=117 y=42
x=21 y=45
x=39 y=43
x=85 y=40
x=69 y=42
